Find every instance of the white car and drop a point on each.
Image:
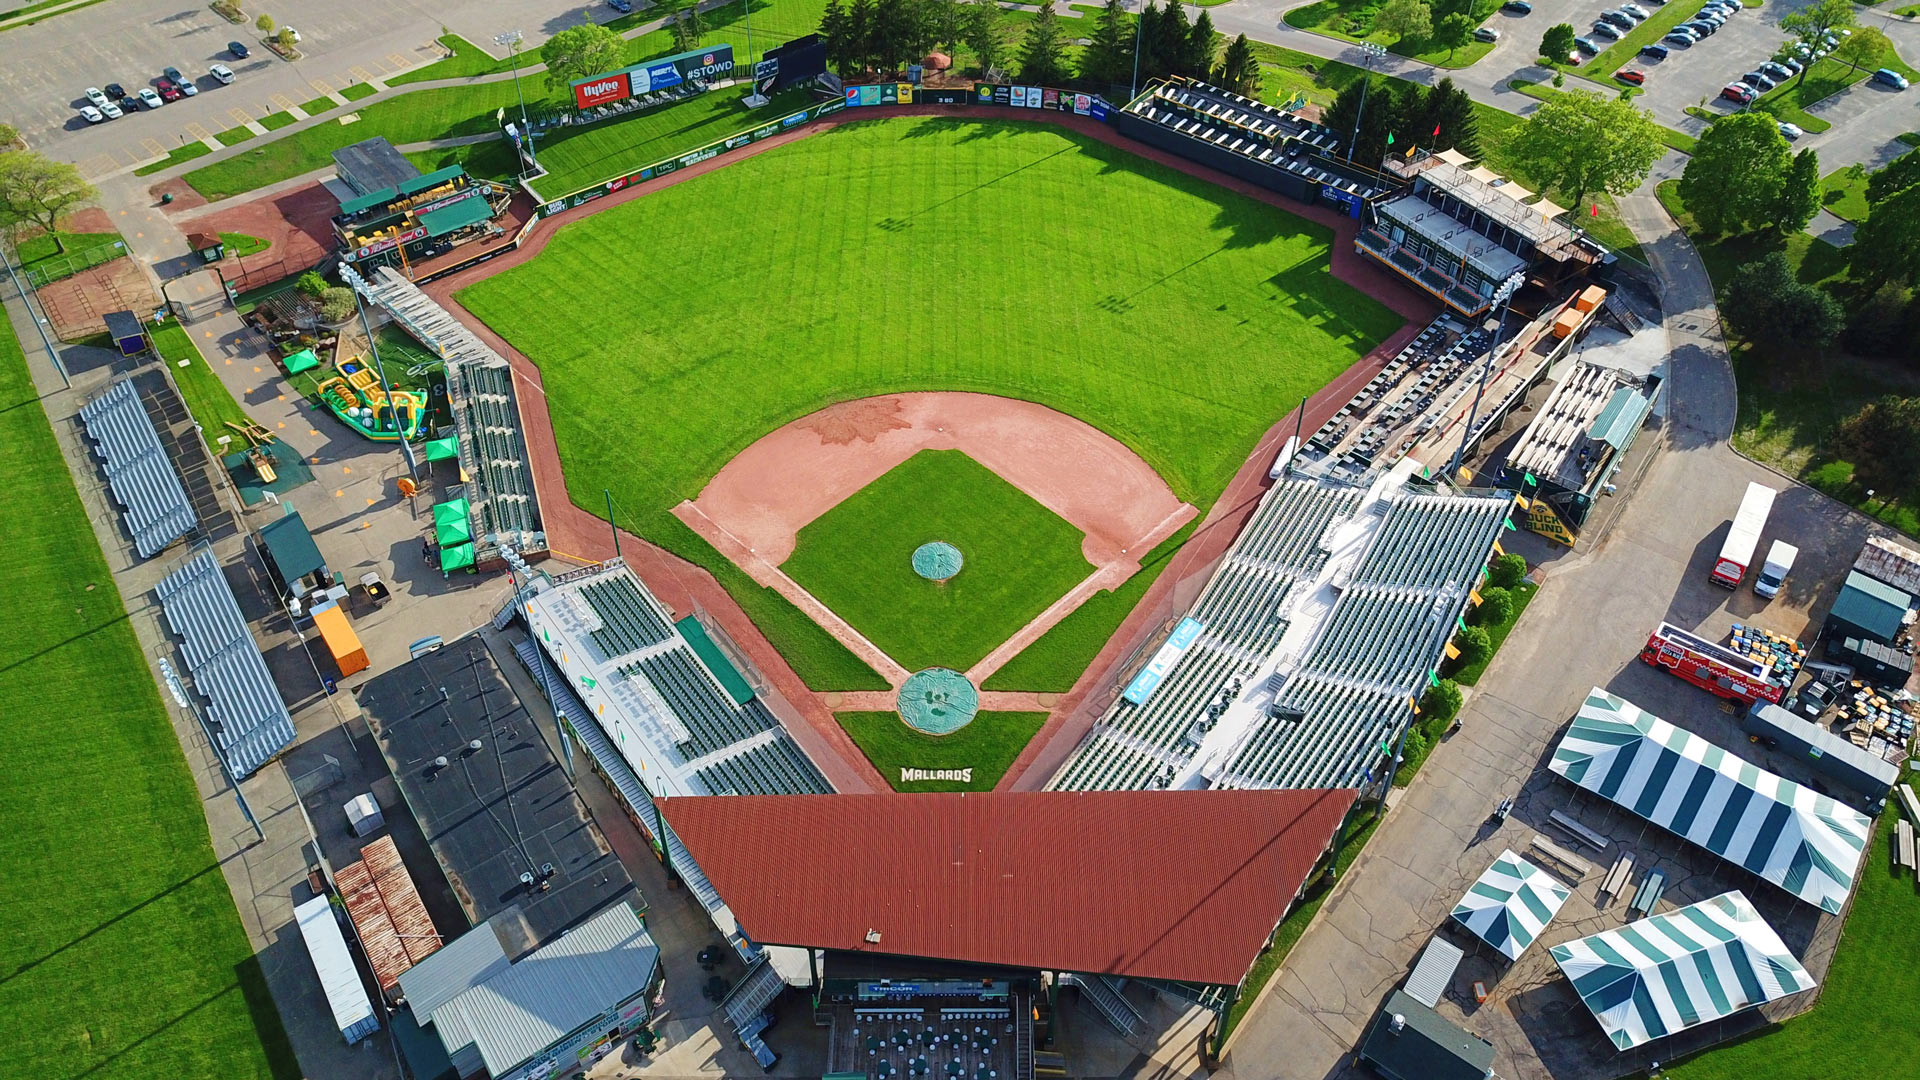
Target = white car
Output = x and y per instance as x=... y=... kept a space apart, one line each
x=221 y=72
x=111 y=110
x=1791 y=131
x=291 y=33
x=91 y=114
x=1635 y=10
x=95 y=95
x=150 y=99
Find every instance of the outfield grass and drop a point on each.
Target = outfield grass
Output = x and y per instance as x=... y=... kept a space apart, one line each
x=123 y=956
x=1055 y=660
x=1352 y=20
x=1855 y=1030
x=583 y=157
x=980 y=255
x=1018 y=557
x=988 y=746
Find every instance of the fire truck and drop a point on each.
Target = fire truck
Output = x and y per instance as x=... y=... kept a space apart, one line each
x=1714 y=668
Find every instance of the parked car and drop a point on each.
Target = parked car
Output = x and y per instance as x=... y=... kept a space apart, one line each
x=1698 y=29
x=1517 y=7
x=1607 y=31
x=95 y=96
x=1630 y=75
x=1791 y=131
x=1617 y=18
x=1654 y=52
x=112 y=111
x=1890 y=77
x=622 y=6
x=1684 y=41
x=221 y=72
x=128 y=103
x=292 y=34
x=168 y=91
x=1586 y=45
x=91 y=115
x=184 y=84
x=1758 y=80
x=1486 y=33
x=150 y=99
x=1636 y=11
x=1790 y=63
x=1779 y=73
x=115 y=92
x=237 y=50
x=1737 y=92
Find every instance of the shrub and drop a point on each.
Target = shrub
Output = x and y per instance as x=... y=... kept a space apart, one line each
x=285 y=37
x=336 y=304
x=312 y=284
x=1440 y=705
x=1507 y=571
x=1474 y=645
x=1496 y=606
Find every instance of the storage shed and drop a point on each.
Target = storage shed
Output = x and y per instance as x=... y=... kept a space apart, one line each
x=320 y=928
x=1828 y=754
x=1867 y=608
x=1409 y=1041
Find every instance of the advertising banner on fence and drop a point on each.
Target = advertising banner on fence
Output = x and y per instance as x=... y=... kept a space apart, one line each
x=1150 y=677
x=388 y=244
x=879 y=94
x=1082 y=104
x=601 y=90
x=705 y=65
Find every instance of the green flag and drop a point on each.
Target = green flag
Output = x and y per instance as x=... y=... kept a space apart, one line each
x=1530 y=479
x=1433 y=677
x=588 y=682
x=1509 y=524
x=1389 y=138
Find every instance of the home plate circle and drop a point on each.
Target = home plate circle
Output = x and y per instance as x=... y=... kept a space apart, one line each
x=938 y=701
x=936 y=561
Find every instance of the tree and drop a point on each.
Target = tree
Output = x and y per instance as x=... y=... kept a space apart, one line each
x=1201 y=45
x=1147 y=39
x=1446 y=120
x=897 y=34
x=1359 y=116
x=689 y=26
x=1404 y=19
x=986 y=34
x=1170 y=42
x=1454 y=30
x=1886 y=246
x=1901 y=172
x=1441 y=703
x=1766 y=303
x=1865 y=48
x=580 y=51
x=1496 y=607
x=1507 y=571
x=1043 y=53
x=1582 y=143
x=1557 y=44
x=1108 y=57
x=9 y=135
x=945 y=21
x=1884 y=325
x=336 y=304
x=37 y=190
x=1800 y=193
x=1883 y=442
x=1239 y=70
x=285 y=37
x=1474 y=643
x=264 y=24
x=1732 y=182
x=311 y=283
x=1812 y=23
x=836 y=33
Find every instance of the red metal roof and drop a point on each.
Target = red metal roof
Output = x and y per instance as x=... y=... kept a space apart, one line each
x=1181 y=885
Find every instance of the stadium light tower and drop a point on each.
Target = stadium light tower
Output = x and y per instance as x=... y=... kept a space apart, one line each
x=1500 y=297
x=510 y=40
x=1139 y=29
x=1374 y=51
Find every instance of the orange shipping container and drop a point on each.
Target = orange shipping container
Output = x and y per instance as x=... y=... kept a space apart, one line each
x=1590 y=297
x=341 y=641
x=1567 y=323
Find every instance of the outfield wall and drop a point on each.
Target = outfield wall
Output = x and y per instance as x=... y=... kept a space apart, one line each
x=992 y=95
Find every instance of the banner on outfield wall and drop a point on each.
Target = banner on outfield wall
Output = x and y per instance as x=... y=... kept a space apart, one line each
x=702 y=65
x=1038 y=97
x=879 y=94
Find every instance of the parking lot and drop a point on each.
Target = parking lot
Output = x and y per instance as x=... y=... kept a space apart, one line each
x=1693 y=75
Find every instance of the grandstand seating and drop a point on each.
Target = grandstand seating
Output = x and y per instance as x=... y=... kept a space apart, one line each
x=629 y=620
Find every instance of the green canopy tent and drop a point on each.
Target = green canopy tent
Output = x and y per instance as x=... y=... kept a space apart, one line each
x=304 y=360
x=443 y=449
x=456 y=557
x=452 y=523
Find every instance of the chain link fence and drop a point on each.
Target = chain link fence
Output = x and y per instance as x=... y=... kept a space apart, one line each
x=65 y=266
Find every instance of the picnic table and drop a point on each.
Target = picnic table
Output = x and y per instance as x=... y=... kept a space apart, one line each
x=1616 y=878
x=1651 y=887
x=1574 y=863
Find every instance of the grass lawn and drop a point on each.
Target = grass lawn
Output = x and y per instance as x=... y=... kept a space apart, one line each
x=1827 y=77
x=1287 y=935
x=988 y=746
x=318 y=105
x=123 y=955
x=233 y=135
x=488 y=160
x=38 y=252
x=467 y=61
x=207 y=398
x=1677 y=140
x=242 y=244
x=1018 y=557
x=187 y=152
x=357 y=91
x=276 y=121
x=1853 y=1023
x=1352 y=20
x=1911 y=138
x=1173 y=315
x=1055 y=661
x=1844 y=193
x=583 y=157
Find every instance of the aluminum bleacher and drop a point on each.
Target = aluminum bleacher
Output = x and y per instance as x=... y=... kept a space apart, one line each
x=247 y=720
x=153 y=503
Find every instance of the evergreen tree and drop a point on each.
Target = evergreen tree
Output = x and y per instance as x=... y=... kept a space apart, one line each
x=860 y=20
x=1200 y=48
x=1170 y=44
x=1800 y=193
x=944 y=22
x=986 y=34
x=1043 y=53
x=1239 y=71
x=1446 y=120
x=689 y=25
x=895 y=34
x=1108 y=58
x=836 y=32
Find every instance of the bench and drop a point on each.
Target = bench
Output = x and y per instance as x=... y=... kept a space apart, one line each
x=1903 y=846
x=1578 y=831
x=1567 y=859
x=1616 y=878
x=1651 y=887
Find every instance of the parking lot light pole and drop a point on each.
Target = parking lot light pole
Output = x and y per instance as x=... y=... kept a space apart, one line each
x=1374 y=51
x=510 y=40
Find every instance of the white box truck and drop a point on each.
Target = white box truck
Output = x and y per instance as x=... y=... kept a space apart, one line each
x=1744 y=536
x=1773 y=571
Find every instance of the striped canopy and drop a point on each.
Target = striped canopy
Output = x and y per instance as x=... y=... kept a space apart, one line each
x=1670 y=972
x=1792 y=836
x=1510 y=904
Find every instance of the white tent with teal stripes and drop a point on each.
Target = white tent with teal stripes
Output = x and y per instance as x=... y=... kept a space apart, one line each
x=1510 y=904
x=1667 y=973
x=1787 y=834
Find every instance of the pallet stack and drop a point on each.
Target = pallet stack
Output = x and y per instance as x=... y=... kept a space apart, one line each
x=1785 y=654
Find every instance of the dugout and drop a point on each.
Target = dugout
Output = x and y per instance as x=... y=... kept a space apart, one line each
x=128 y=335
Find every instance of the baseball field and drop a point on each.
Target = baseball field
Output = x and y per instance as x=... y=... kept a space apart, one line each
x=920 y=253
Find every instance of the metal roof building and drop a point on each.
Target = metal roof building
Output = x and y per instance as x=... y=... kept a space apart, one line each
x=458 y=966
x=1578 y=439
x=373 y=165
x=1806 y=843
x=547 y=1005
x=154 y=504
x=247 y=719
x=1409 y=1041
x=1869 y=608
x=1894 y=563
x=1670 y=972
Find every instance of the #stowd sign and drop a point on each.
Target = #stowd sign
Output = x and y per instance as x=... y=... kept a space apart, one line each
x=1150 y=677
x=924 y=776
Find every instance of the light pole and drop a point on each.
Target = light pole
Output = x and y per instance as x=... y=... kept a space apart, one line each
x=1139 y=30
x=1500 y=297
x=1374 y=51
x=511 y=42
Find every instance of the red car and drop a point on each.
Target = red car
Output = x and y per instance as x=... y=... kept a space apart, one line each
x=1628 y=75
x=1737 y=93
x=168 y=91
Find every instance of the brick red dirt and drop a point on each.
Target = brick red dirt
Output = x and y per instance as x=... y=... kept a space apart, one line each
x=681 y=584
x=77 y=305
x=296 y=224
